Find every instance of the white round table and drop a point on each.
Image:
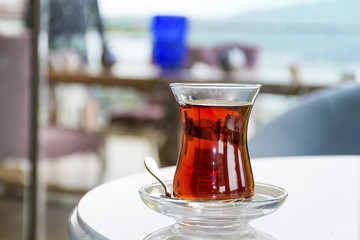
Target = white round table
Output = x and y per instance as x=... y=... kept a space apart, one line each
x=323 y=202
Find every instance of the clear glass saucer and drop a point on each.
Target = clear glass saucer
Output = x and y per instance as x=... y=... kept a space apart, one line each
x=220 y=219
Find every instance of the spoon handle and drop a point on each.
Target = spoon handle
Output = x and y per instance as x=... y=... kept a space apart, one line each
x=167 y=193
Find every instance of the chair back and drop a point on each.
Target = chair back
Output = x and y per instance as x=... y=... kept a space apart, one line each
x=14 y=95
x=327 y=122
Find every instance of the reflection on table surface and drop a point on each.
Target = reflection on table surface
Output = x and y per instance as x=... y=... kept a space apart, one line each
x=323 y=201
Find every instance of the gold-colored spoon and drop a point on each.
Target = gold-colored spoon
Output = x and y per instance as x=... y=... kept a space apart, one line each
x=153 y=169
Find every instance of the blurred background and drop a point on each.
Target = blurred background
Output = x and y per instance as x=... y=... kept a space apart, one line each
x=105 y=66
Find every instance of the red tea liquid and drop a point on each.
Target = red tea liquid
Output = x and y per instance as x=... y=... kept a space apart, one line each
x=214 y=161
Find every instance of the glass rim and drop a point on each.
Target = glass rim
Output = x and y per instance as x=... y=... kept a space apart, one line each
x=217 y=85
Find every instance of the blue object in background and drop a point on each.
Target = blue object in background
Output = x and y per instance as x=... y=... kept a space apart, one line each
x=169 y=41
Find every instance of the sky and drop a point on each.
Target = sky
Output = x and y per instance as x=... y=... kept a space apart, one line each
x=192 y=8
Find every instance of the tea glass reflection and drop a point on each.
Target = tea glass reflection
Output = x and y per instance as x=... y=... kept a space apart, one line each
x=214 y=162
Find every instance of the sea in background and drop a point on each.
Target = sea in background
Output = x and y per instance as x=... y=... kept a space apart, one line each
x=314 y=47
x=322 y=35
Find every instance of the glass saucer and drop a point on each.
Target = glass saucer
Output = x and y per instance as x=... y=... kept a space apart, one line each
x=220 y=219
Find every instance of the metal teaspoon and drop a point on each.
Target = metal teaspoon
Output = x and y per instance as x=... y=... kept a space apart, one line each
x=153 y=169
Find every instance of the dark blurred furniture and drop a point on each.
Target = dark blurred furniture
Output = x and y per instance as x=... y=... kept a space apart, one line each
x=14 y=121
x=326 y=122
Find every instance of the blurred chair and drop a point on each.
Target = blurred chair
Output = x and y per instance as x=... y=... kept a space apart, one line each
x=327 y=122
x=54 y=141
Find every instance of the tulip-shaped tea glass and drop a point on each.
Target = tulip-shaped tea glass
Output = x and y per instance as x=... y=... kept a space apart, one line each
x=214 y=194
x=214 y=161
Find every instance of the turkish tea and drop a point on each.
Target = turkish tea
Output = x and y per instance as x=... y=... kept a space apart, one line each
x=214 y=160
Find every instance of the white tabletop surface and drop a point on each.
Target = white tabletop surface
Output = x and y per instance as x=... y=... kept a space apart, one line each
x=323 y=201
